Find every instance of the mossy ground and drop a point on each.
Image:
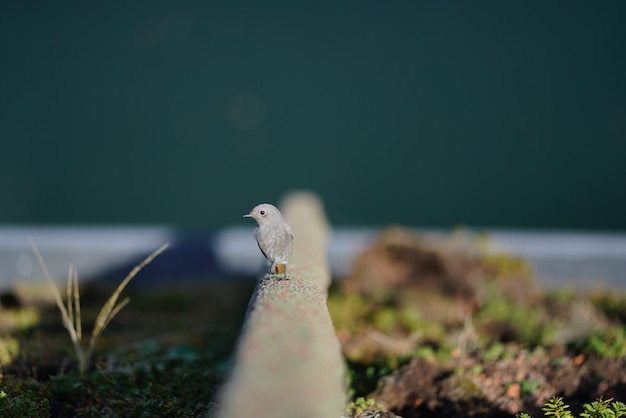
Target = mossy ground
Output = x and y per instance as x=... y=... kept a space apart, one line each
x=163 y=355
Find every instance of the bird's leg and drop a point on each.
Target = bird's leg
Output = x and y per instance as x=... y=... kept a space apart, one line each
x=281 y=268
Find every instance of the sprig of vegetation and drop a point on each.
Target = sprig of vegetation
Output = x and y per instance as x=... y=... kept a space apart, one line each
x=360 y=406
x=604 y=409
x=24 y=404
x=70 y=311
x=608 y=343
x=555 y=407
x=601 y=408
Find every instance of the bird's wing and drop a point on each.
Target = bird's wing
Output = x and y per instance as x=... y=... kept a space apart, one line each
x=261 y=248
x=258 y=242
x=288 y=228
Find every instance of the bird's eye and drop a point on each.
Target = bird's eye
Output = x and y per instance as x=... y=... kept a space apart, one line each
x=262 y=213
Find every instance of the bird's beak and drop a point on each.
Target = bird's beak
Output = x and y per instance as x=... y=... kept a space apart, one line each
x=247 y=216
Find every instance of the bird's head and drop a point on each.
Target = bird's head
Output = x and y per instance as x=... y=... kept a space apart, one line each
x=264 y=213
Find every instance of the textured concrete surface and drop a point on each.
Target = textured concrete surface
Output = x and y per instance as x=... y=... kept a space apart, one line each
x=288 y=362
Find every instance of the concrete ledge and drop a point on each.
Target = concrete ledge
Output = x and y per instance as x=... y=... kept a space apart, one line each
x=288 y=362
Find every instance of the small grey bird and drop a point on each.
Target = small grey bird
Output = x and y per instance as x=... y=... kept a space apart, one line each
x=273 y=236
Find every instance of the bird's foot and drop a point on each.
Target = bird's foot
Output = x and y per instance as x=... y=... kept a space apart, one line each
x=280 y=270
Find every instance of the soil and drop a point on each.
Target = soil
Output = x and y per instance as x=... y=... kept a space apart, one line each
x=501 y=344
x=502 y=388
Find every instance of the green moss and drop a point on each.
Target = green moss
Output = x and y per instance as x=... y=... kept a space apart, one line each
x=354 y=314
x=431 y=353
x=612 y=304
x=516 y=321
x=18 y=319
x=9 y=349
x=504 y=265
x=363 y=379
x=606 y=343
x=348 y=311
x=405 y=320
x=360 y=405
x=528 y=386
x=556 y=407
x=175 y=387
x=461 y=388
x=23 y=399
x=171 y=388
x=494 y=352
x=386 y=320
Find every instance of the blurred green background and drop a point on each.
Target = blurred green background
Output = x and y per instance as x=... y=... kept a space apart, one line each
x=508 y=114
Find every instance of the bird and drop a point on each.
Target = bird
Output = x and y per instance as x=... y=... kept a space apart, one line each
x=273 y=236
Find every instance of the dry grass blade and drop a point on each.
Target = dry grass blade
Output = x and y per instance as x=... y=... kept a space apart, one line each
x=103 y=317
x=70 y=312
x=77 y=321
x=67 y=313
x=67 y=322
x=68 y=294
x=115 y=310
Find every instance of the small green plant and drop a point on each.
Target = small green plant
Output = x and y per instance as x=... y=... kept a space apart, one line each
x=555 y=407
x=613 y=304
x=20 y=319
x=494 y=352
x=9 y=349
x=362 y=379
x=528 y=386
x=522 y=322
x=361 y=405
x=70 y=311
x=601 y=408
x=23 y=404
x=608 y=343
